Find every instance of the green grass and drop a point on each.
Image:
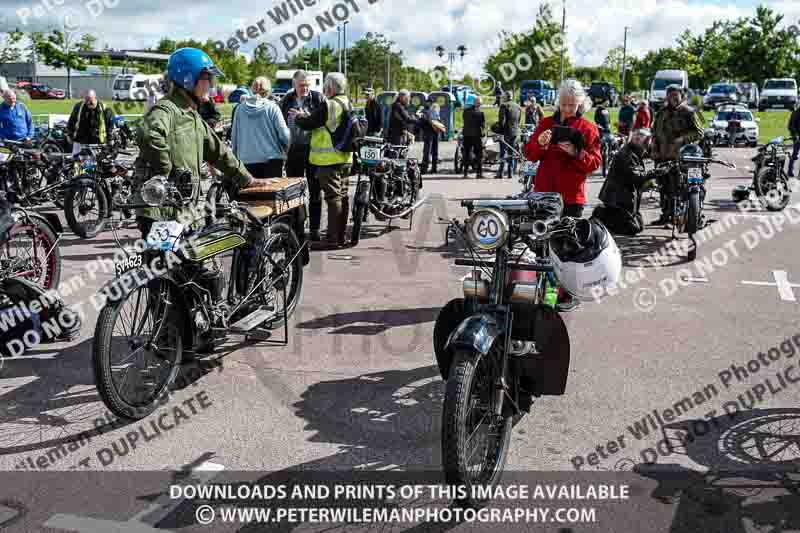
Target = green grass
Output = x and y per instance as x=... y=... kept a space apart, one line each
x=773 y=124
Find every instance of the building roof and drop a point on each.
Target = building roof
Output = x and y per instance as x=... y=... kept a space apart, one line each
x=126 y=54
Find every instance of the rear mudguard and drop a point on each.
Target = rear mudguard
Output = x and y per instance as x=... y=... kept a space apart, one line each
x=51 y=219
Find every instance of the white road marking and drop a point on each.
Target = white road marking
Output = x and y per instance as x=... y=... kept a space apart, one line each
x=785 y=289
x=142 y=522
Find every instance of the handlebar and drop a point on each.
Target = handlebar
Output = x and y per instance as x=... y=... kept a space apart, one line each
x=513 y=266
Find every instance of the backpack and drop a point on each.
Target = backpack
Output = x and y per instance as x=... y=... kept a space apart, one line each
x=350 y=129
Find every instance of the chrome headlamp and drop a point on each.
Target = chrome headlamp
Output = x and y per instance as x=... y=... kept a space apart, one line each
x=154 y=191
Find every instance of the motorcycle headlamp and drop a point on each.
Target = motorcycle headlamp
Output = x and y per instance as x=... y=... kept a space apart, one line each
x=154 y=191
x=487 y=229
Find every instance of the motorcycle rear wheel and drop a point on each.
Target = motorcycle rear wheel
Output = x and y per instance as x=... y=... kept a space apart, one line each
x=82 y=200
x=30 y=252
x=469 y=384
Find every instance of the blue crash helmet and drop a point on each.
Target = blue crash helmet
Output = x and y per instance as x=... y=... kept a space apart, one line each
x=186 y=64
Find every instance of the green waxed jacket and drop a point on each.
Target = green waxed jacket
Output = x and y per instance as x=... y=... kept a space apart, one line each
x=173 y=136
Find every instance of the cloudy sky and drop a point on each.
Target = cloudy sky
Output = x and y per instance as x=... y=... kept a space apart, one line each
x=417 y=26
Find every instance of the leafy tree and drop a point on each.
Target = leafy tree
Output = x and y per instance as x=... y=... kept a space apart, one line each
x=534 y=54
x=87 y=42
x=105 y=64
x=59 y=50
x=10 y=46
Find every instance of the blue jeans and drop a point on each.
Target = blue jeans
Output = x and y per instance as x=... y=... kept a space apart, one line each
x=512 y=164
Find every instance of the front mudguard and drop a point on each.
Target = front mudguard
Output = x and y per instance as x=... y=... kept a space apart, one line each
x=475 y=334
x=122 y=286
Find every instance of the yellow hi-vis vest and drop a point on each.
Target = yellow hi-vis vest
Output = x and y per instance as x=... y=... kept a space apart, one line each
x=102 y=133
x=322 y=152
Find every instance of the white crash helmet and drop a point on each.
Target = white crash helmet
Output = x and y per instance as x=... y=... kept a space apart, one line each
x=587 y=259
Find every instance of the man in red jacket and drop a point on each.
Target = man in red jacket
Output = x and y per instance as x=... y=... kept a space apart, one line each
x=565 y=166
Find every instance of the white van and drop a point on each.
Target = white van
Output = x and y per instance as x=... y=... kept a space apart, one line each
x=136 y=86
x=778 y=92
x=3 y=84
x=662 y=80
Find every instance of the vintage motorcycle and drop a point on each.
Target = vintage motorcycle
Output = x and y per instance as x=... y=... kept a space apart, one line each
x=770 y=182
x=388 y=184
x=29 y=245
x=104 y=181
x=231 y=271
x=688 y=175
x=610 y=144
x=56 y=139
x=504 y=342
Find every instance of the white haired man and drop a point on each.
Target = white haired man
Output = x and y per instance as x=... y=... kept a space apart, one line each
x=89 y=123
x=16 y=121
x=332 y=167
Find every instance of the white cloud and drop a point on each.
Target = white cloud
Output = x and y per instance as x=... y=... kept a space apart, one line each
x=418 y=26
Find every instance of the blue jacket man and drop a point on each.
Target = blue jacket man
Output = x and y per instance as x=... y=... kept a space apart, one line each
x=16 y=123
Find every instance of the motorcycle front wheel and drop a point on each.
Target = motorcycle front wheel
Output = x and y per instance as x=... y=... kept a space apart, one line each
x=137 y=350
x=30 y=252
x=693 y=220
x=457 y=162
x=86 y=209
x=474 y=442
x=773 y=192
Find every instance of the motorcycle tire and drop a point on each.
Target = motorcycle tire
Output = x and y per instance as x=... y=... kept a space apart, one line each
x=466 y=371
x=605 y=161
x=457 y=162
x=51 y=148
x=74 y=198
x=103 y=354
x=767 y=197
x=284 y=240
x=358 y=218
x=37 y=231
x=693 y=220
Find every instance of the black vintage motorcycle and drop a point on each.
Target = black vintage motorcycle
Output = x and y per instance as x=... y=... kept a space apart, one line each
x=770 y=181
x=503 y=343
x=610 y=144
x=104 y=181
x=687 y=176
x=388 y=184
x=232 y=271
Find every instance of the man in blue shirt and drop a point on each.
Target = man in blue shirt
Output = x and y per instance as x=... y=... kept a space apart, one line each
x=16 y=123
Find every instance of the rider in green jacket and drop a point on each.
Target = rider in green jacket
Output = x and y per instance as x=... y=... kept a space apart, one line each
x=174 y=139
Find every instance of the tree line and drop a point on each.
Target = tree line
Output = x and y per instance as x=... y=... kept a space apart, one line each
x=747 y=49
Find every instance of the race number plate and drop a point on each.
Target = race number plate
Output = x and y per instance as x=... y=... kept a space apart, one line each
x=370 y=155
x=695 y=175
x=132 y=261
x=163 y=235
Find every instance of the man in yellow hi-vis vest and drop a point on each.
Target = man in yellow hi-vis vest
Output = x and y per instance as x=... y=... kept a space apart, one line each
x=89 y=123
x=331 y=166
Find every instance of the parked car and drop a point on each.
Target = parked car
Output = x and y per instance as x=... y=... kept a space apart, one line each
x=136 y=86
x=602 y=91
x=748 y=124
x=720 y=93
x=543 y=91
x=40 y=91
x=464 y=94
x=778 y=92
x=236 y=94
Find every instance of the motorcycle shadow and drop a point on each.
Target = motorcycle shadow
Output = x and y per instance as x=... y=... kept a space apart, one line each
x=377 y=321
x=57 y=402
x=647 y=251
x=752 y=459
